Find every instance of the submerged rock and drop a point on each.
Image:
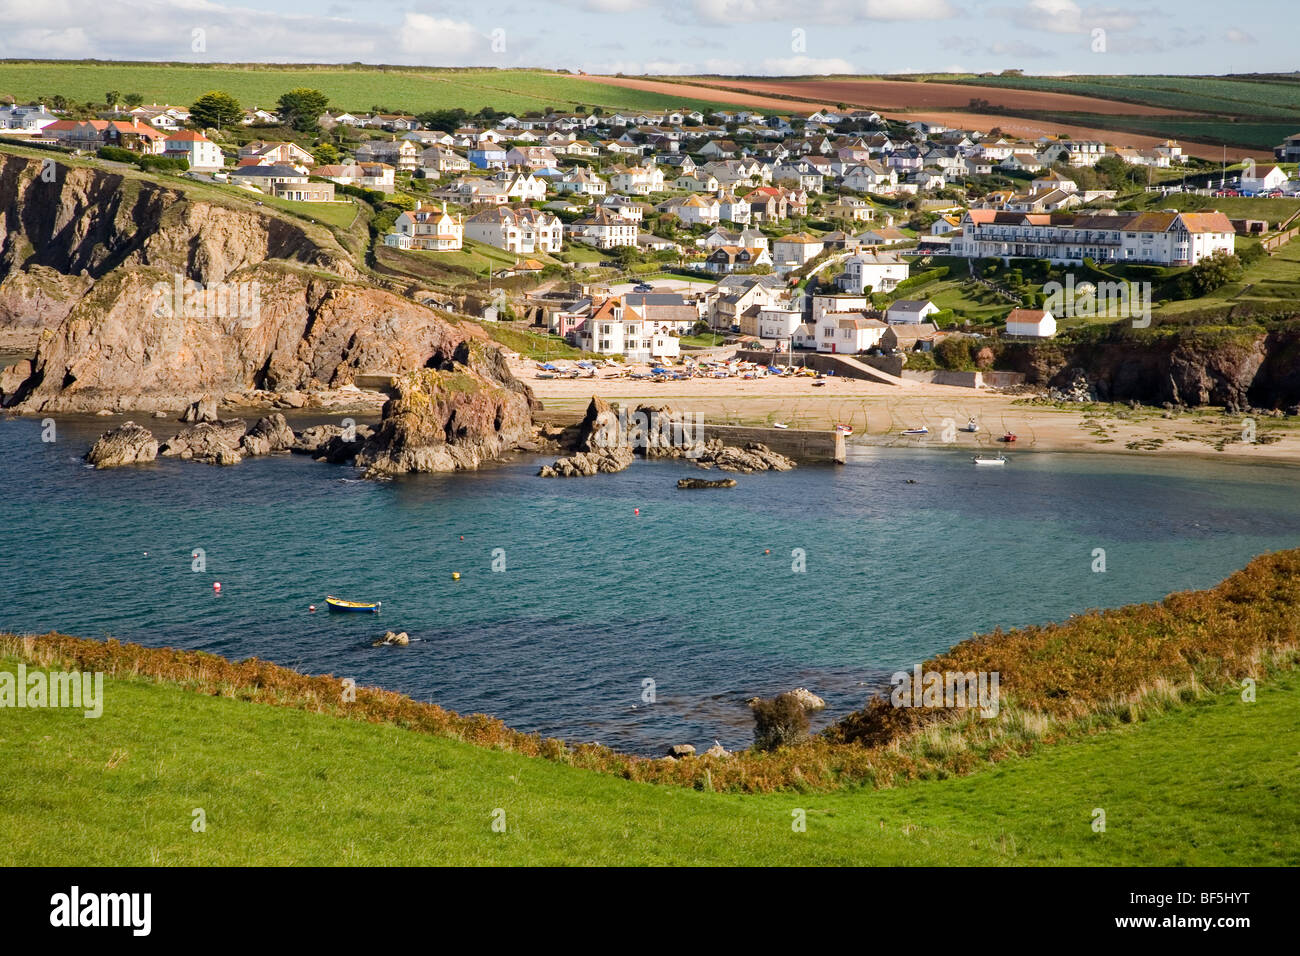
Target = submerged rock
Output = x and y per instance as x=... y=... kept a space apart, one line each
x=706 y=483
x=399 y=639
x=127 y=444
x=584 y=464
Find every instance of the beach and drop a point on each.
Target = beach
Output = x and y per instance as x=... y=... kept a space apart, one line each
x=879 y=413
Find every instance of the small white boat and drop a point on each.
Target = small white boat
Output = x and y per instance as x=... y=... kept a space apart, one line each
x=779 y=425
x=981 y=460
x=843 y=429
x=923 y=430
x=971 y=426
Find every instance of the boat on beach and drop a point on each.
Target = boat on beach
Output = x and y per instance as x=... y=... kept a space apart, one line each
x=843 y=429
x=971 y=426
x=355 y=607
x=923 y=430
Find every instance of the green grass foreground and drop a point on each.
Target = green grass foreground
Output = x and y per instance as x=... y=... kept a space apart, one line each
x=1210 y=783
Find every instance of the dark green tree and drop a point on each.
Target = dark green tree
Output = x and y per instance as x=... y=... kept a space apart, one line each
x=215 y=109
x=302 y=107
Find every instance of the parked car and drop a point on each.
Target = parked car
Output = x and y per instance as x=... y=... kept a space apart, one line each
x=642 y=287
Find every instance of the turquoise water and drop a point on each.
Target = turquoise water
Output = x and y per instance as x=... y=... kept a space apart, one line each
x=595 y=599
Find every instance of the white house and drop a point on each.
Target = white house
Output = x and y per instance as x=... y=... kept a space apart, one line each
x=518 y=229
x=433 y=230
x=604 y=230
x=848 y=332
x=1265 y=179
x=580 y=181
x=910 y=311
x=614 y=329
x=1033 y=323
x=797 y=249
x=880 y=272
x=201 y=153
x=774 y=322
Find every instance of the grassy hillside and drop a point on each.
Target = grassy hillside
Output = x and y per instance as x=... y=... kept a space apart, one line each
x=355 y=88
x=1209 y=784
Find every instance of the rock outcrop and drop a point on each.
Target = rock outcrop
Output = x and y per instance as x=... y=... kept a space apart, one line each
x=128 y=444
x=584 y=464
x=217 y=443
x=393 y=639
x=267 y=436
x=461 y=411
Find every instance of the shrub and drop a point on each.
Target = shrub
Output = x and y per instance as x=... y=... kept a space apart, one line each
x=162 y=164
x=779 y=722
x=117 y=154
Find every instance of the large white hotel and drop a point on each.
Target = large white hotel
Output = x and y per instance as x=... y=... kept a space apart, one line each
x=1163 y=238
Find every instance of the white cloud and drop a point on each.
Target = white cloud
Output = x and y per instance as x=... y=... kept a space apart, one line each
x=1237 y=36
x=805 y=66
x=734 y=12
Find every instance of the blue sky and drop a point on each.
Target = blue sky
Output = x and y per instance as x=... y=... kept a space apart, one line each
x=773 y=37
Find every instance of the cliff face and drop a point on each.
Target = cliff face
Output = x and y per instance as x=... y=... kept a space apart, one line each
x=92 y=279
x=1236 y=370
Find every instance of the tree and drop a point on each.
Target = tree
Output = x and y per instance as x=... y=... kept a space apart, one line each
x=133 y=99
x=215 y=109
x=111 y=98
x=446 y=120
x=301 y=108
x=326 y=154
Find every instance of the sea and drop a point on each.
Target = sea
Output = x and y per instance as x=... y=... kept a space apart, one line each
x=617 y=608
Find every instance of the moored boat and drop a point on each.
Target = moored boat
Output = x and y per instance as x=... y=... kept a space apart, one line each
x=981 y=460
x=356 y=607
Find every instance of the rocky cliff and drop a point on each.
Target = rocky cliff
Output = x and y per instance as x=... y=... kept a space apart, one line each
x=134 y=296
x=1234 y=368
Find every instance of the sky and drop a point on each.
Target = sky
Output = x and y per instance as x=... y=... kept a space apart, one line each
x=752 y=37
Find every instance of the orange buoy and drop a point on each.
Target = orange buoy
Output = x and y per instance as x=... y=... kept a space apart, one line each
x=767 y=550
x=462 y=537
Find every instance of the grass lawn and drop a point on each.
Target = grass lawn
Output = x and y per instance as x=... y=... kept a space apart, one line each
x=341 y=215
x=1210 y=783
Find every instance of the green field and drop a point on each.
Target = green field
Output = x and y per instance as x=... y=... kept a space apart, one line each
x=357 y=89
x=1211 y=783
x=1230 y=95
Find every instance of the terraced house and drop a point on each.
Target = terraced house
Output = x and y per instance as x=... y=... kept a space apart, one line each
x=1162 y=238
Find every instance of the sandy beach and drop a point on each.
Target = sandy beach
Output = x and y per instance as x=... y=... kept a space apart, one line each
x=879 y=413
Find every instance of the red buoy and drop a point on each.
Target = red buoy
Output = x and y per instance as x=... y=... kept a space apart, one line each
x=636 y=511
x=216 y=586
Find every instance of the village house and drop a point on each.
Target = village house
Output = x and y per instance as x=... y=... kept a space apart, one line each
x=400 y=153
x=724 y=260
x=377 y=176
x=26 y=119
x=850 y=333
x=531 y=157
x=734 y=295
x=1265 y=179
x=878 y=271
x=692 y=210
x=437 y=161
x=431 y=230
x=200 y=152
x=871 y=177
x=637 y=180
x=277 y=154
x=486 y=154
x=604 y=230
x=521 y=185
x=92 y=134
x=910 y=337
x=908 y=311
x=1031 y=323
x=517 y=229
x=580 y=181
x=615 y=329
x=795 y=250
x=850 y=208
